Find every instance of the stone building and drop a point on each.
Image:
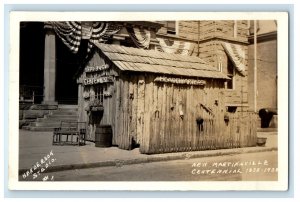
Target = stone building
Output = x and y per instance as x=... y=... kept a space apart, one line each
x=266 y=62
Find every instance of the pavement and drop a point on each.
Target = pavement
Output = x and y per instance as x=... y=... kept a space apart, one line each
x=35 y=145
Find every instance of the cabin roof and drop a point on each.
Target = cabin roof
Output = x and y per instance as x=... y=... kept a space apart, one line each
x=140 y=60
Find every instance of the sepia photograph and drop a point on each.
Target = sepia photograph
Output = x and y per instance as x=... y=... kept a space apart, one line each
x=150 y=100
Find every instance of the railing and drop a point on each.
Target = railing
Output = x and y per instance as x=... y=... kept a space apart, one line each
x=30 y=94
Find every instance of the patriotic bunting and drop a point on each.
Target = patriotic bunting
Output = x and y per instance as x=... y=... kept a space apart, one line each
x=236 y=53
x=140 y=37
x=71 y=33
x=102 y=31
x=178 y=47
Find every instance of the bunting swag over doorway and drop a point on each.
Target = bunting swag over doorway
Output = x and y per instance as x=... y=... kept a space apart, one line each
x=71 y=33
x=236 y=53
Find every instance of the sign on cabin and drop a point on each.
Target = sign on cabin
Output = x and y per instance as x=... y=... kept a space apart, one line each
x=98 y=80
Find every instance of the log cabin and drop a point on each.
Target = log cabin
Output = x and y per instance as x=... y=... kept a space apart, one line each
x=159 y=102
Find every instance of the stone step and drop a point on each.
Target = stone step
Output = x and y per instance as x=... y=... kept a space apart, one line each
x=43 y=107
x=34 y=128
x=67 y=109
x=45 y=124
x=51 y=122
x=67 y=106
x=51 y=119
x=61 y=116
x=64 y=113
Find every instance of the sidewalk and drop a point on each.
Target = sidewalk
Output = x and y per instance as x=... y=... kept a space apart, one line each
x=35 y=145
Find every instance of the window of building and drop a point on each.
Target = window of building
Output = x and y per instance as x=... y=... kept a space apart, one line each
x=99 y=92
x=230 y=74
x=170 y=25
x=231 y=109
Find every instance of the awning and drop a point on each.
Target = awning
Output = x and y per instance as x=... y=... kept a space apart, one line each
x=236 y=53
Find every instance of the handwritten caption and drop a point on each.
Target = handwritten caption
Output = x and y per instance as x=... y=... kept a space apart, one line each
x=40 y=167
x=227 y=167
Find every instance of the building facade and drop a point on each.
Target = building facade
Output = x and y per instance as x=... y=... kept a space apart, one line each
x=265 y=95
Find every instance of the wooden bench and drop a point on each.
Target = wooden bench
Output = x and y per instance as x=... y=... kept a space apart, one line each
x=69 y=133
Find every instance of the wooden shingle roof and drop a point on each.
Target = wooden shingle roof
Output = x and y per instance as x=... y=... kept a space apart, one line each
x=139 y=60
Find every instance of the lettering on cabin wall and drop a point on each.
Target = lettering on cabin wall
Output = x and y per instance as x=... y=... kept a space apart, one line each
x=164 y=79
x=89 y=69
x=98 y=80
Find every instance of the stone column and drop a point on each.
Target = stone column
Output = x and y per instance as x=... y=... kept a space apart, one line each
x=49 y=66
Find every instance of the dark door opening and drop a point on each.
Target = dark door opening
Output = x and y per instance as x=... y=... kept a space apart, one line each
x=32 y=45
x=67 y=65
x=31 y=77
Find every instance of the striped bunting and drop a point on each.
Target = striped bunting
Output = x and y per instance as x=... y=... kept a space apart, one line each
x=178 y=47
x=101 y=32
x=236 y=53
x=71 y=33
x=140 y=37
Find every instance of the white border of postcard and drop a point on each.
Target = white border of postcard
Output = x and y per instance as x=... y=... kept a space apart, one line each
x=283 y=59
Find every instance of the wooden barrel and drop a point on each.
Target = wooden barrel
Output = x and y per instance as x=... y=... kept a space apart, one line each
x=103 y=136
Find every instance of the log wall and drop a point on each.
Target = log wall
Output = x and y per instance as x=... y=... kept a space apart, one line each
x=149 y=114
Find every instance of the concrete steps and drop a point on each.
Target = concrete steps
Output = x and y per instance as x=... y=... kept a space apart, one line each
x=65 y=107
x=54 y=124
x=60 y=116
x=34 y=128
x=64 y=112
x=53 y=120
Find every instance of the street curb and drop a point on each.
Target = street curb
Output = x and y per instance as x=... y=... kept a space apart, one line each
x=156 y=158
